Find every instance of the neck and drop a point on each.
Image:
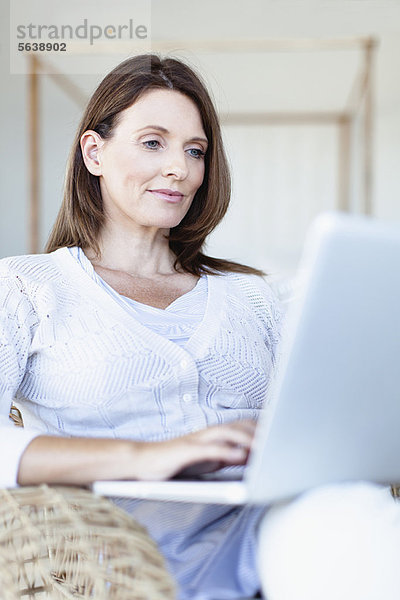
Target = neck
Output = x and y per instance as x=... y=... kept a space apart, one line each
x=145 y=253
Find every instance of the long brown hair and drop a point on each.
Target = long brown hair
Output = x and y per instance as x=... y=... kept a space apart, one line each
x=81 y=214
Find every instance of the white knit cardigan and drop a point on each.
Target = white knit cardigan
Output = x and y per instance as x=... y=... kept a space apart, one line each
x=77 y=363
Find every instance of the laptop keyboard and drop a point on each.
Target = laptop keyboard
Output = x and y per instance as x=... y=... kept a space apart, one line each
x=232 y=473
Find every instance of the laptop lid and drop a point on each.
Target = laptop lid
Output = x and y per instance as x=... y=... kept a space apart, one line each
x=335 y=415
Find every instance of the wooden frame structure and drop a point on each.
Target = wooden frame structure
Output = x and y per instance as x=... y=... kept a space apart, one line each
x=361 y=96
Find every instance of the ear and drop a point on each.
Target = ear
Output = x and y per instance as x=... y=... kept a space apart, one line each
x=91 y=143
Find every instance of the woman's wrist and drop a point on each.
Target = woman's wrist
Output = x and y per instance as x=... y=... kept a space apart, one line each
x=76 y=461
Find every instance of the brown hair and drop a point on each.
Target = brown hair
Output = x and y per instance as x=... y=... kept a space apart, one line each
x=81 y=214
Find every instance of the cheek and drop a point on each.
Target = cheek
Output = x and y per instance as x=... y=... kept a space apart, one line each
x=140 y=170
x=130 y=168
x=198 y=176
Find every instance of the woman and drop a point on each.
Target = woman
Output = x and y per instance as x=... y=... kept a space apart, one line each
x=131 y=354
x=128 y=351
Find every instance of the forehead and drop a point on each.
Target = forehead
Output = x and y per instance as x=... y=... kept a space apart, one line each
x=167 y=108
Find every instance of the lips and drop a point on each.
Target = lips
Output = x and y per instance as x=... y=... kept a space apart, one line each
x=168 y=195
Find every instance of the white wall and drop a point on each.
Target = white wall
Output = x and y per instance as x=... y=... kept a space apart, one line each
x=282 y=176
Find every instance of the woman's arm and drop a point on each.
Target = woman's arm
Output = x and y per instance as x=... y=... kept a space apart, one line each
x=80 y=461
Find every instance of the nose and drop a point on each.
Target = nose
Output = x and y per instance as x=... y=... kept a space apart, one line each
x=175 y=165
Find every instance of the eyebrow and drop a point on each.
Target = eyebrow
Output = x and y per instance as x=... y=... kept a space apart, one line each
x=163 y=130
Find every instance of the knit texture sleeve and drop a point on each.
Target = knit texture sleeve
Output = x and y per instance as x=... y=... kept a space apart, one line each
x=17 y=319
x=13 y=443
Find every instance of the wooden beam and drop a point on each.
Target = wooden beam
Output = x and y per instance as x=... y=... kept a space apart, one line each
x=284 y=118
x=34 y=163
x=361 y=81
x=368 y=132
x=344 y=166
x=64 y=82
x=218 y=45
x=262 y=45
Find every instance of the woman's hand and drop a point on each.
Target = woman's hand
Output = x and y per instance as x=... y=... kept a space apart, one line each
x=80 y=461
x=199 y=452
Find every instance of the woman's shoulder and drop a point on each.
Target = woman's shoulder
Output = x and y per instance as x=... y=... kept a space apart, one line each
x=30 y=266
x=251 y=285
x=29 y=282
x=257 y=293
x=28 y=279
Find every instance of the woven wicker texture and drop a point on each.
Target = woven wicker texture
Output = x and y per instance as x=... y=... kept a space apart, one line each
x=63 y=543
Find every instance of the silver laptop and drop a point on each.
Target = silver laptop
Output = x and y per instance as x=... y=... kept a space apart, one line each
x=334 y=414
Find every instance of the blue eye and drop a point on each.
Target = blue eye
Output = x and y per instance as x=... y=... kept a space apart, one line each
x=151 y=144
x=199 y=153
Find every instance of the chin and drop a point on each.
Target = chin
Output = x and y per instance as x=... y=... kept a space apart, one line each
x=169 y=222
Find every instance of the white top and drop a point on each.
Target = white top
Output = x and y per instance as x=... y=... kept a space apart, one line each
x=78 y=362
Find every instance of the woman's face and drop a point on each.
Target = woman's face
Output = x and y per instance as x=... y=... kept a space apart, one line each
x=153 y=165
